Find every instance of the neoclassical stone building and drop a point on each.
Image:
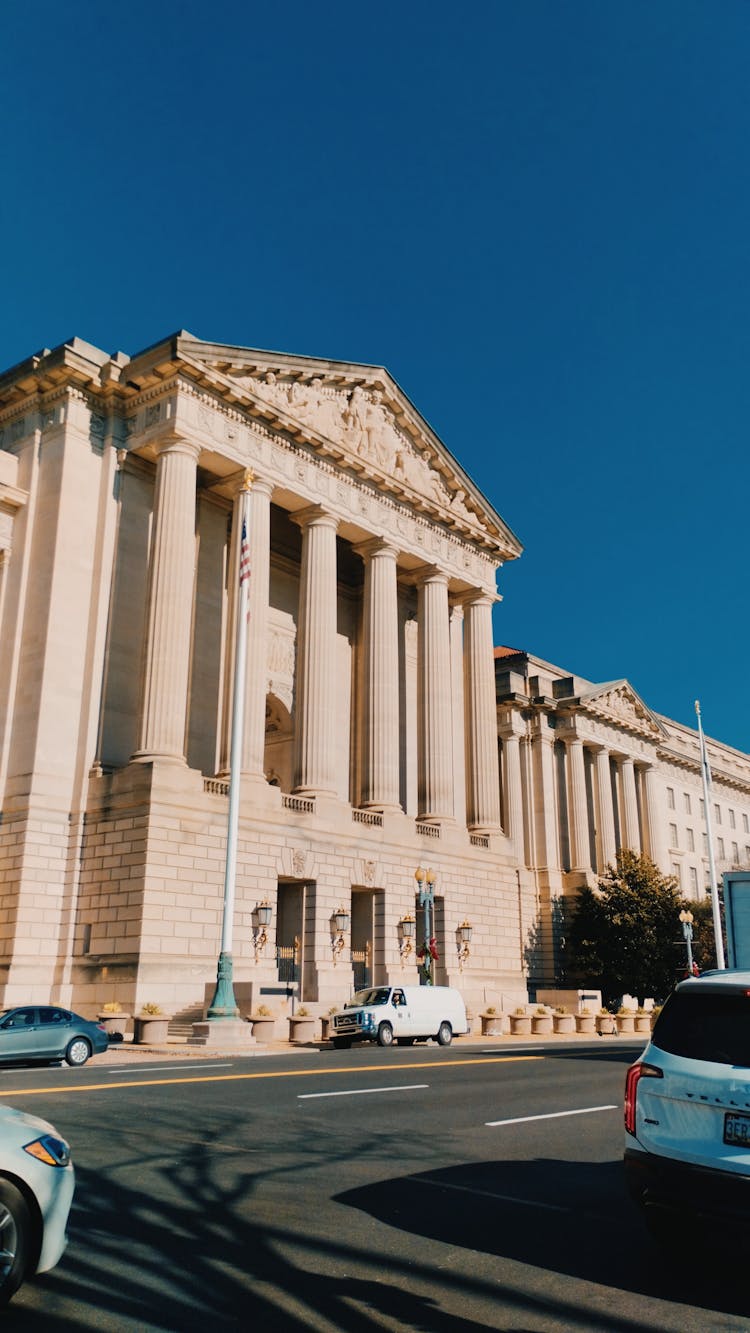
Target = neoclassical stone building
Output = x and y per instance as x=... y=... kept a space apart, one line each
x=587 y=769
x=370 y=735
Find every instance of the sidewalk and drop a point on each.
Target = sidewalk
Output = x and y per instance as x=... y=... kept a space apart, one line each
x=177 y=1047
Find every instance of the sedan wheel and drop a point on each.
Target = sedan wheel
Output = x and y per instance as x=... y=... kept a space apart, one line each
x=78 y=1051
x=15 y=1239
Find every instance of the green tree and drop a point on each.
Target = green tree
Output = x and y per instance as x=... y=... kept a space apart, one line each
x=625 y=937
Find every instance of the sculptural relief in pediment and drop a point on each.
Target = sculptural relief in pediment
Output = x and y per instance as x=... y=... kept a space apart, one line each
x=361 y=422
x=623 y=706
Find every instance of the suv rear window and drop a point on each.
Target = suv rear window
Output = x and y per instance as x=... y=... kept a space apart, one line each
x=706 y=1027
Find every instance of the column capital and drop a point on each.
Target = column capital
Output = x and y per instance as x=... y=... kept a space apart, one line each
x=315 y=516
x=429 y=574
x=177 y=444
x=477 y=597
x=512 y=725
x=376 y=546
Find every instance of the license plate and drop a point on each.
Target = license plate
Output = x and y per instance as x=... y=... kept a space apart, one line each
x=737 y=1129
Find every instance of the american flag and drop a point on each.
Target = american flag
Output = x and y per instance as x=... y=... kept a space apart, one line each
x=244 y=556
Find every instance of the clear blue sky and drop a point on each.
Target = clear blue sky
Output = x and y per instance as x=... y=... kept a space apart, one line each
x=535 y=214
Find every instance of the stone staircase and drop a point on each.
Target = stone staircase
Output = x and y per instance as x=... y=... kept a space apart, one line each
x=181 y=1023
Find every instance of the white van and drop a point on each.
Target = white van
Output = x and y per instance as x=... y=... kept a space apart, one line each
x=400 y=1013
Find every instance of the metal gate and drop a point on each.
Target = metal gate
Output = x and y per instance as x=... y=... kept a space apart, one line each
x=362 y=967
x=287 y=962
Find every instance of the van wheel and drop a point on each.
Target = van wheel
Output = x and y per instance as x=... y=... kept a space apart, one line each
x=445 y=1034
x=405 y=1041
x=385 y=1035
x=342 y=1043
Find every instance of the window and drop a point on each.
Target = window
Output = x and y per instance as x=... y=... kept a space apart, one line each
x=677 y=872
x=690 y=840
x=717 y=813
x=720 y=844
x=735 y=853
x=670 y=797
x=705 y=844
x=673 y=836
x=688 y=811
x=747 y=853
x=706 y=1027
x=745 y=824
x=694 y=879
x=731 y=819
x=703 y=808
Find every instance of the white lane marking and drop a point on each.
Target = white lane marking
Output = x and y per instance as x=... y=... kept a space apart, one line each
x=490 y=1194
x=360 y=1092
x=551 y=1115
x=158 y=1069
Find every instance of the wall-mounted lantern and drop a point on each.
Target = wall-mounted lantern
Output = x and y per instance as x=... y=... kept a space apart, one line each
x=262 y=915
x=406 y=928
x=339 y=928
x=463 y=937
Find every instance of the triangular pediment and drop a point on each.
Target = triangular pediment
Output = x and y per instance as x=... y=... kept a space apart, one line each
x=617 y=701
x=359 y=416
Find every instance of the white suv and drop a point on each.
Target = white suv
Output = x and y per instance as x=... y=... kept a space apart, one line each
x=687 y=1106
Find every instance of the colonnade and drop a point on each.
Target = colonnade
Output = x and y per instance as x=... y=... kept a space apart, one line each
x=617 y=807
x=163 y=707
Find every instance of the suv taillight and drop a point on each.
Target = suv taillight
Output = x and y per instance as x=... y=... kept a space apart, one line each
x=632 y=1079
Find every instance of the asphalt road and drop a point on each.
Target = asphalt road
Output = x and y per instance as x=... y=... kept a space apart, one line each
x=441 y=1190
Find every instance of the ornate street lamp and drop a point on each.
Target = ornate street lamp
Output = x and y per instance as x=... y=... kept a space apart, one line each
x=426 y=881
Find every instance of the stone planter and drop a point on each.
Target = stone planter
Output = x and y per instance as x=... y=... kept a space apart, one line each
x=643 y=1023
x=494 y=1025
x=326 y=1028
x=585 y=1023
x=625 y=1024
x=302 y=1029
x=605 y=1025
x=541 y=1024
x=520 y=1025
x=115 y=1025
x=563 y=1023
x=263 y=1027
x=150 y=1029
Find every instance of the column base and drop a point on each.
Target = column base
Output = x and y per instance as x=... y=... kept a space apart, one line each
x=223 y=1034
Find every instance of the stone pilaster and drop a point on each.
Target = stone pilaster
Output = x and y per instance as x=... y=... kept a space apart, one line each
x=607 y=843
x=511 y=734
x=544 y=795
x=434 y=698
x=256 y=673
x=380 y=769
x=653 y=821
x=481 y=716
x=580 y=855
x=631 y=836
x=171 y=578
x=315 y=695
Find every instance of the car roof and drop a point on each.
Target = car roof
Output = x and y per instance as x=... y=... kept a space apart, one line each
x=737 y=979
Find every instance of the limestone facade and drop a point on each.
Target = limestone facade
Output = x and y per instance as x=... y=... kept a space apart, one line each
x=370 y=727
x=587 y=769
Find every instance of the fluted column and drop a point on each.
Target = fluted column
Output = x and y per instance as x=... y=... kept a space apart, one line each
x=607 y=840
x=545 y=804
x=315 y=696
x=171 y=576
x=256 y=672
x=513 y=784
x=380 y=770
x=481 y=715
x=434 y=698
x=631 y=837
x=653 y=821
x=578 y=822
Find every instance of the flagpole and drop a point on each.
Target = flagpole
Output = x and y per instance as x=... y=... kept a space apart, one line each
x=224 y=1004
x=706 y=773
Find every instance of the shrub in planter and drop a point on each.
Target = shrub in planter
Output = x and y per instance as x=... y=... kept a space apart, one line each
x=541 y=1021
x=642 y=1020
x=562 y=1021
x=585 y=1021
x=114 y=1020
x=264 y=1023
x=493 y=1023
x=520 y=1023
x=605 y=1023
x=625 y=1020
x=151 y=1025
x=301 y=1025
x=326 y=1024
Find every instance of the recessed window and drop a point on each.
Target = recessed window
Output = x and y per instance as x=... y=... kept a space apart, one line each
x=720 y=845
x=703 y=808
x=731 y=819
x=735 y=853
x=670 y=797
x=693 y=879
x=677 y=872
x=705 y=844
x=690 y=839
x=688 y=811
x=717 y=813
x=673 y=836
x=745 y=824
